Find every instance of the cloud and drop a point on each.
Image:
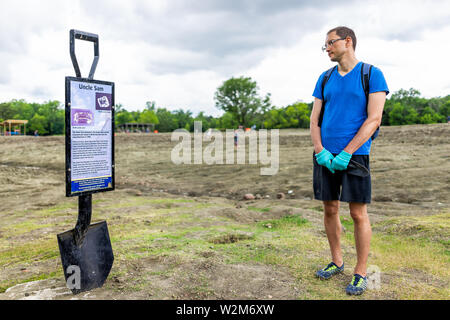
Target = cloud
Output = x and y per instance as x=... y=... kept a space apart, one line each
x=5 y=73
x=20 y=18
x=209 y=34
x=178 y=52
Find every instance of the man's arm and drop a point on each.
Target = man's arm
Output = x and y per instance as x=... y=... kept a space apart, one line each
x=314 y=125
x=374 y=114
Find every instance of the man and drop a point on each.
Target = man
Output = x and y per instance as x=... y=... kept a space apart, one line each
x=348 y=124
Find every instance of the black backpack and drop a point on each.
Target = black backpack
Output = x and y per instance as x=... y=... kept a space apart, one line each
x=366 y=70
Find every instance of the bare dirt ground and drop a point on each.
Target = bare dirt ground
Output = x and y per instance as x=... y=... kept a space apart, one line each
x=185 y=232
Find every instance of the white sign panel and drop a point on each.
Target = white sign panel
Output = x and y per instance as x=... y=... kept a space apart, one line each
x=91 y=133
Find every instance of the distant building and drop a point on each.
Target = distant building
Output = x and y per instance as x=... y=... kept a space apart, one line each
x=12 y=127
x=136 y=127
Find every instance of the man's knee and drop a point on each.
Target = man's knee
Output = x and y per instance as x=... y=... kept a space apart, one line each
x=331 y=208
x=358 y=212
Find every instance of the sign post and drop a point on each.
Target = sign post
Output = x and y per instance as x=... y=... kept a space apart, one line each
x=89 y=169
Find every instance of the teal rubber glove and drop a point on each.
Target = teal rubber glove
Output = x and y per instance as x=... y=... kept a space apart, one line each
x=340 y=162
x=324 y=158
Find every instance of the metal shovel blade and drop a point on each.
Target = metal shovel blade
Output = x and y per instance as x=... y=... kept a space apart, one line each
x=92 y=260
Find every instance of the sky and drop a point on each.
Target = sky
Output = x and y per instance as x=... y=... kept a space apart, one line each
x=178 y=52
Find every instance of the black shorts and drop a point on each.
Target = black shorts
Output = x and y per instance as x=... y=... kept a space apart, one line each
x=341 y=185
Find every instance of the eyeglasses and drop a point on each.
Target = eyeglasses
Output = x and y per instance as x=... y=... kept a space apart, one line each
x=330 y=43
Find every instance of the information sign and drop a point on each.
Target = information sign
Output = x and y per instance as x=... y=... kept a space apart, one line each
x=89 y=136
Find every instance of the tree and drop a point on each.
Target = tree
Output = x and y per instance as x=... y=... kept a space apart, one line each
x=167 y=121
x=430 y=116
x=272 y=119
x=38 y=122
x=402 y=115
x=150 y=105
x=23 y=110
x=206 y=121
x=445 y=109
x=406 y=95
x=298 y=115
x=148 y=116
x=396 y=114
x=227 y=121
x=58 y=126
x=240 y=98
x=55 y=118
x=118 y=108
x=411 y=116
x=410 y=98
x=122 y=117
x=6 y=111
x=184 y=119
x=135 y=116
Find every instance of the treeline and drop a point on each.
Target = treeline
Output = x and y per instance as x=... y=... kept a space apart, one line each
x=407 y=107
x=403 y=107
x=47 y=118
x=292 y=116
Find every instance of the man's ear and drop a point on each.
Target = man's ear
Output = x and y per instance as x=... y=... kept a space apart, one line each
x=348 y=42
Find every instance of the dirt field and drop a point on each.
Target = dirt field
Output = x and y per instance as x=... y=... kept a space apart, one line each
x=185 y=232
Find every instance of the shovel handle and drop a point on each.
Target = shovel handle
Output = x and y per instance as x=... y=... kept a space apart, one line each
x=84 y=218
x=81 y=35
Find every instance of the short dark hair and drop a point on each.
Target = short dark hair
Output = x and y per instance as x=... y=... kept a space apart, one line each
x=345 y=32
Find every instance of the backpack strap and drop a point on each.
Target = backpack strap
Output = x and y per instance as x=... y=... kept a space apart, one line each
x=366 y=70
x=324 y=81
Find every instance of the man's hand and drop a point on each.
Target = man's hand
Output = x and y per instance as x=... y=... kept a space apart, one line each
x=324 y=158
x=341 y=161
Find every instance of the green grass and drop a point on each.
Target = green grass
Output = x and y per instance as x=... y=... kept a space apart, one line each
x=30 y=251
x=258 y=209
x=284 y=222
x=347 y=223
x=23 y=227
x=274 y=242
x=43 y=276
x=134 y=201
x=182 y=232
x=418 y=242
x=57 y=210
x=393 y=253
x=433 y=227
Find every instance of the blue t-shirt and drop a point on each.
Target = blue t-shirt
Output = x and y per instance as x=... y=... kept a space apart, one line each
x=345 y=109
